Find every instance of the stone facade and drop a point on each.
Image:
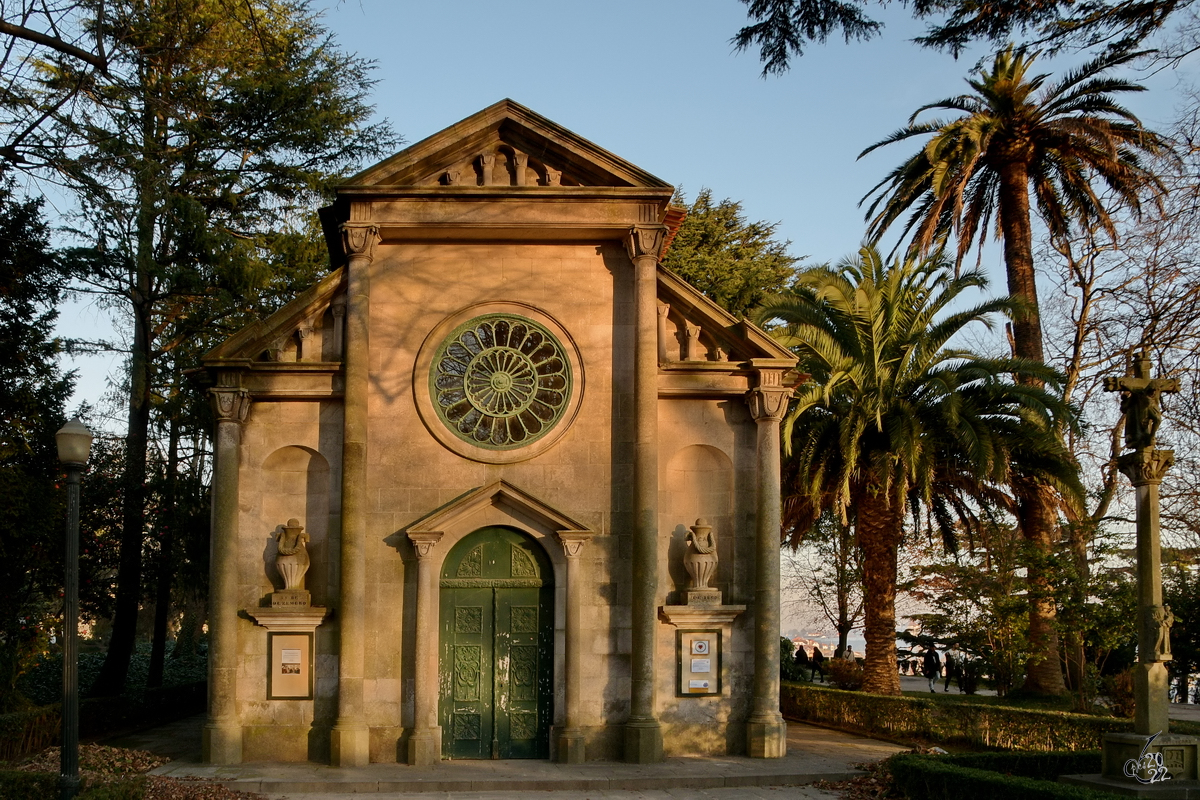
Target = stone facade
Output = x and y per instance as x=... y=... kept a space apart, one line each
x=496 y=347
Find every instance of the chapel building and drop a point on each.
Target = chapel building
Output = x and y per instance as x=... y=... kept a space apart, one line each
x=499 y=485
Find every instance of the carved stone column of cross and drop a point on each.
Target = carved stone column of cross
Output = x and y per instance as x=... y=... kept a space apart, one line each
x=643 y=734
x=349 y=739
x=1145 y=469
x=222 y=738
x=425 y=743
x=766 y=732
x=570 y=739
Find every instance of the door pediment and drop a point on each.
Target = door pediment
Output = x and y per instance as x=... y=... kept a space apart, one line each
x=498 y=503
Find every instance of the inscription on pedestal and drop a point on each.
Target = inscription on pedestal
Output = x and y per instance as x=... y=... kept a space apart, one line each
x=705 y=598
x=294 y=598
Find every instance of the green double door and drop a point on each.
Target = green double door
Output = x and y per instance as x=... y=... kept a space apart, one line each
x=496 y=655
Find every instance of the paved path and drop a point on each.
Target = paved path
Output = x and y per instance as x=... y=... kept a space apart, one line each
x=814 y=754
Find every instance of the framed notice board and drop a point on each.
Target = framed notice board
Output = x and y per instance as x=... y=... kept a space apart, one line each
x=698 y=662
x=289 y=670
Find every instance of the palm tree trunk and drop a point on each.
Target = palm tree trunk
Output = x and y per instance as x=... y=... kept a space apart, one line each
x=1018 y=257
x=1043 y=671
x=1036 y=513
x=878 y=524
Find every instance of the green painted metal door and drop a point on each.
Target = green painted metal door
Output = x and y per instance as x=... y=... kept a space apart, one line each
x=497 y=639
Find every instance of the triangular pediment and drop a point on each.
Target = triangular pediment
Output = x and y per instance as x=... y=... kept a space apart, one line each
x=698 y=330
x=281 y=336
x=505 y=145
x=502 y=495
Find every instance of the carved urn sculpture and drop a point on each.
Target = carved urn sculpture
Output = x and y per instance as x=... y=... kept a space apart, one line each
x=292 y=562
x=700 y=561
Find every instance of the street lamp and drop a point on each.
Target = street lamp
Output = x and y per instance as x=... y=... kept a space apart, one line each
x=74 y=443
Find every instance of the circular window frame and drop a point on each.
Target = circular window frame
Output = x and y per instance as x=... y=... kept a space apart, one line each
x=426 y=405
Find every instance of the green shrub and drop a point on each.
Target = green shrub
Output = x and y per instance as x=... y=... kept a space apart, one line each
x=975 y=725
x=42 y=682
x=16 y=785
x=1043 y=766
x=938 y=778
x=131 y=789
x=25 y=732
x=845 y=674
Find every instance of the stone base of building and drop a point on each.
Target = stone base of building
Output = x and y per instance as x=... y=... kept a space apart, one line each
x=643 y=743
x=766 y=739
x=221 y=744
x=349 y=747
x=425 y=747
x=571 y=747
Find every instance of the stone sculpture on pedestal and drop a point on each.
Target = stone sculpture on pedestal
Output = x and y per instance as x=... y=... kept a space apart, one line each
x=292 y=562
x=700 y=561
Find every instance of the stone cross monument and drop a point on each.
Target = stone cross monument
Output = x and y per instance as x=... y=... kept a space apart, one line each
x=1126 y=755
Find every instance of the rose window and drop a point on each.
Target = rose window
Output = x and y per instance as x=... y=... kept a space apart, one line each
x=500 y=381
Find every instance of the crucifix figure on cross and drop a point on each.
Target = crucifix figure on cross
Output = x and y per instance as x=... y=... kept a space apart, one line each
x=1141 y=396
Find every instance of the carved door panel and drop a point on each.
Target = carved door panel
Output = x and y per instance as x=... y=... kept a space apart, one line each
x=497 y=633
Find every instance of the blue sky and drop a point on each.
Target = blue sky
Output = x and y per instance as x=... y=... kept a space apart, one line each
x=657 y=83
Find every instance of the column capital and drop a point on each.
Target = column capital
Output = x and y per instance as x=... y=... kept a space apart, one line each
x=1146 y=466
x=645 y=240
x=359 y=239
x=768 y=403
x=424 y=542
x=230 y=403
x=338 y=307
x=573 y=542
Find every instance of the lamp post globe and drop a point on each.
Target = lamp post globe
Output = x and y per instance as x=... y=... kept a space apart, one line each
x=74 y=444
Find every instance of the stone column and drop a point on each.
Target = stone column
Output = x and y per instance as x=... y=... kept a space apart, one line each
x=425 y=742
x=222 y=738
x=349 y=739
x=570 y=739
x=1145 y=470
x=643 y=735
x=766 y=732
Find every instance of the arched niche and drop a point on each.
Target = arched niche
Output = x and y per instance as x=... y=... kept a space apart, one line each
x=699 y=483
x=295 y=482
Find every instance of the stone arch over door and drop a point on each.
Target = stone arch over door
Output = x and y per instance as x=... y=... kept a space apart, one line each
x=496 y=646
x=295 y=483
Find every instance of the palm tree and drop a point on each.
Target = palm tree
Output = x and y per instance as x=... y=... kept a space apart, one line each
x=893 y=418
x=1016 y=134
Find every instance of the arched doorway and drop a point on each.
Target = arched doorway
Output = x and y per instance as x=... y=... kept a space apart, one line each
x=496 y=658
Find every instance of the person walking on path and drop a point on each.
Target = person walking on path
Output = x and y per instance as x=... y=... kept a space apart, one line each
x=953 y=667
x=931 y=667
x=818 y=662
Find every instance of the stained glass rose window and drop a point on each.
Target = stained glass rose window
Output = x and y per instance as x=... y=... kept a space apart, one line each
x=500 y=381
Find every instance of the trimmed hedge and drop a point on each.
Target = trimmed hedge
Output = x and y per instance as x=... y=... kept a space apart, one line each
x=1043 y=766
x=16 y=785
x=25 y=732
x=131 y=789
x=938 y=778
x=983 y=726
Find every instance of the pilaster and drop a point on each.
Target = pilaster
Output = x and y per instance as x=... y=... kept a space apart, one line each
x=570 y=738
x=766 y=731
x=222 y=737
x=643 y=734
x=349 y=737
x=425 y=743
